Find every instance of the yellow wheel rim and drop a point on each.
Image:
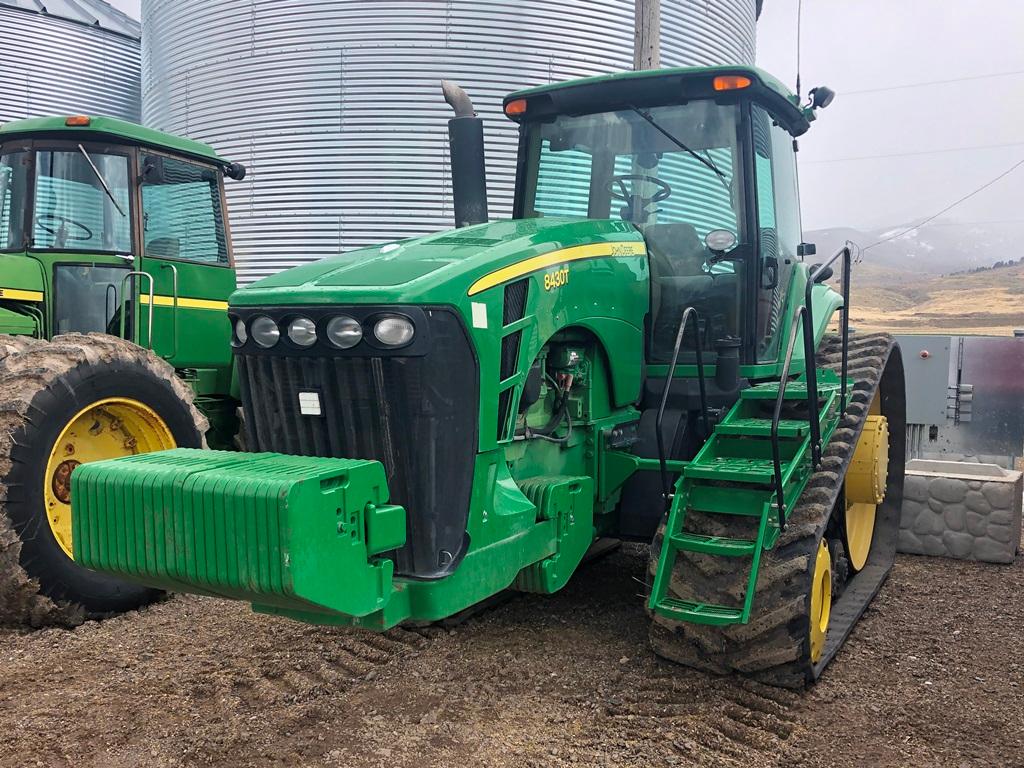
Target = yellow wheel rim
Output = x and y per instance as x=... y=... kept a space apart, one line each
x=865 y=487
x=107 y=429
x=821 y=600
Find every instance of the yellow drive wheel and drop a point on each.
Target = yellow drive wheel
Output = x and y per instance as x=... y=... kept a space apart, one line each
x=821 y=601
x=76 y=399
x=865 y=487
x=107 y=429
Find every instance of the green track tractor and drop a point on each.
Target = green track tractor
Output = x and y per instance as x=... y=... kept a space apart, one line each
x=115 y=269
x=641 y=352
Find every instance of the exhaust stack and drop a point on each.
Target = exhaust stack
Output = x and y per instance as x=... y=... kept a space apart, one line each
x=466 y=145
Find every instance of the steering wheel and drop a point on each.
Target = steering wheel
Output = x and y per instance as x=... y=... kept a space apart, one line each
x=61 y=233
x=618 y=190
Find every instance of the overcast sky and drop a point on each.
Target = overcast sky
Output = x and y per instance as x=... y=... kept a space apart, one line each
x=868 y=45
x=874 y=44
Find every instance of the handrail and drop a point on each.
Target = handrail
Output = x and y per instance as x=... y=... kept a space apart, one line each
x=111 y=302
x=124 y=280
x=804 y=315
x=174 y=311
x=687 y=314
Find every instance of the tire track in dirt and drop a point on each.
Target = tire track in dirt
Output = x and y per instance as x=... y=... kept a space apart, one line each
x=188 y=681
x=565 y=680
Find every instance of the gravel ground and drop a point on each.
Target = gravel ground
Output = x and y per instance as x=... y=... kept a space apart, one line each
x=932 y=676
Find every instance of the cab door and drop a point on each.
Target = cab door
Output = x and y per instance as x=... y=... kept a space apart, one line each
x=185 y=250
x=778 y=220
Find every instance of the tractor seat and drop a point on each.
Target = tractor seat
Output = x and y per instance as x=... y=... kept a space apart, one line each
x=676 y=249
x=163 y=248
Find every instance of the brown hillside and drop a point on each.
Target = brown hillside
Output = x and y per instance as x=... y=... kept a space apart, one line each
x=987 y=302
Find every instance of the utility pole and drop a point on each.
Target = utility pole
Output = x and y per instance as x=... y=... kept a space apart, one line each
x=647 y=34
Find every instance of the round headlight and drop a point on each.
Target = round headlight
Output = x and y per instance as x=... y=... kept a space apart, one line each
x=394 y=331
x=344 y=332
x=241 y=335
x=264 y=331
x=302 y=331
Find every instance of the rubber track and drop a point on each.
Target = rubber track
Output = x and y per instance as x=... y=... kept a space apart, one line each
x=774 y=647
x=28 y=365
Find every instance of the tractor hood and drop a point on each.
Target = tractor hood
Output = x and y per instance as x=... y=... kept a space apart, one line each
x=441 y=268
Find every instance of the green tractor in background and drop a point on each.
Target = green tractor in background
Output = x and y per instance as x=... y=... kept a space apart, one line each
x=641 y=352
x=115 y=269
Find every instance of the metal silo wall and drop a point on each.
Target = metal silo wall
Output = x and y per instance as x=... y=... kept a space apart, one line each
x=52 y=66
x=335 y=105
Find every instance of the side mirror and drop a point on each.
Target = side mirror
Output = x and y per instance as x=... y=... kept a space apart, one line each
x=719 y=241
x=234 y=171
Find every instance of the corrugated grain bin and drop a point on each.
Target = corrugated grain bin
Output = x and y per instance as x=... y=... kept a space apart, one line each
x=67 y=57
x=335 y=105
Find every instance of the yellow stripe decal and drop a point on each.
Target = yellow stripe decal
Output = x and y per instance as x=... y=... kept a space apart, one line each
x=561 y=256
x=168 y=301
x=15 y=293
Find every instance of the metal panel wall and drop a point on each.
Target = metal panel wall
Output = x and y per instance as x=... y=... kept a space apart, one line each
x=51 y=65
x=335 y=105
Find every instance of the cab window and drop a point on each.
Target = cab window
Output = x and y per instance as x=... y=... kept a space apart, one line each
x=181 y=211
x=563 y=182
x=81 y=202
x=674 y=173
x=13 y=186
x=778 y=217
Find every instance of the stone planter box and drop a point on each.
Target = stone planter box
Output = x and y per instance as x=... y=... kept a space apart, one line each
x=962 y=510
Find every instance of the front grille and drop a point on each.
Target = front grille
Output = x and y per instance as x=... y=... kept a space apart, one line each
x=416 y=415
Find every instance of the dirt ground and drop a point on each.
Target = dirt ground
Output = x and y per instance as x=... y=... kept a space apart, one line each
x=932 y=676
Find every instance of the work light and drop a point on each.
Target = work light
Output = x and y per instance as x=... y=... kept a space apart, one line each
x=265 y=331
x=302 y=331
x=241 y=335
x=394 y=331
x=344 y=332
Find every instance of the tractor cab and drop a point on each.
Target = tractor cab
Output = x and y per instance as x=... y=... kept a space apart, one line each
x=701 y=162
x=106 y=226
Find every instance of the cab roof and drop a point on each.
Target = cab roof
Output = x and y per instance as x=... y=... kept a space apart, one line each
x=112 y=129
x=655 y=87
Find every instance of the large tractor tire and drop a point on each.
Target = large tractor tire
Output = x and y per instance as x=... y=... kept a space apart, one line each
x=833 y=556
x=76 y=399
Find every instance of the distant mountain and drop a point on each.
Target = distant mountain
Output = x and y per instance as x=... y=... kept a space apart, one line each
x=940 y=247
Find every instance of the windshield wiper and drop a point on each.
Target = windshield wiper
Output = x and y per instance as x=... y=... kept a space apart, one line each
x=706 y=161
x=101 y=179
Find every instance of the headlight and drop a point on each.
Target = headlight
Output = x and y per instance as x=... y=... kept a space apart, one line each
x=394 y=331
x=344 y=332
x=241 y=335
x=302 y=331
x=264 y=331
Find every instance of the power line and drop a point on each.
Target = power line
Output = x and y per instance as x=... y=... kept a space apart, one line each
x=934 y=82
x=916 y=152
x=949 y=207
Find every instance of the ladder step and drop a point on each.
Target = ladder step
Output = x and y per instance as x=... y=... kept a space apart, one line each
x=713 y=545
x=795 y=390
x=754 y=427
x=733 y=469
x=698 y=613
x=729 y=500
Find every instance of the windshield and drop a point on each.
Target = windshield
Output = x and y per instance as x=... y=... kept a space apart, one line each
x=675 y=173
x=81 y=205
